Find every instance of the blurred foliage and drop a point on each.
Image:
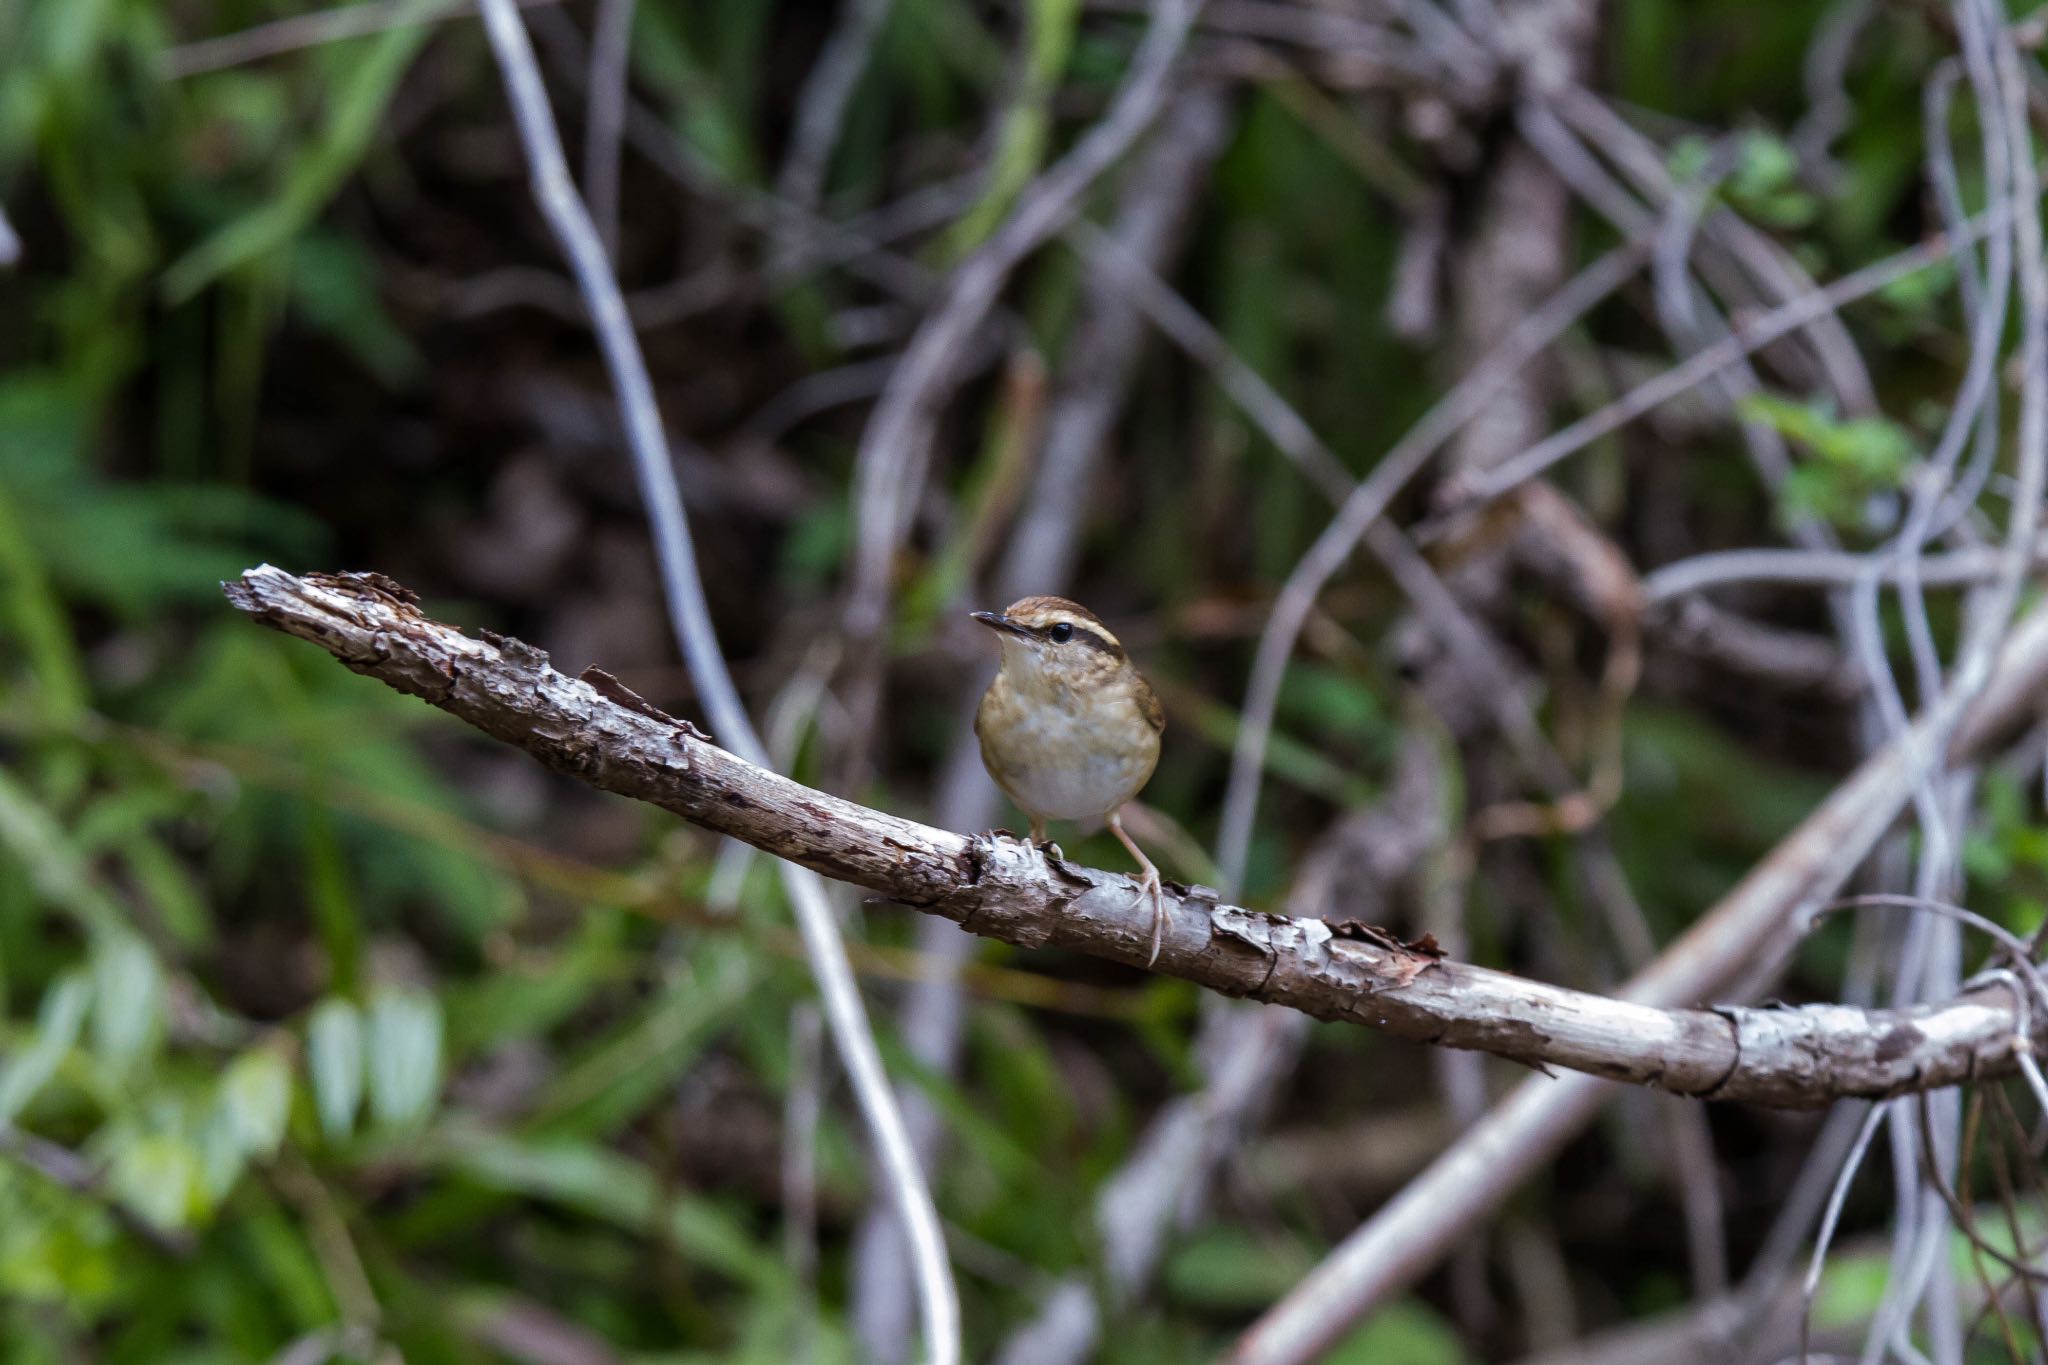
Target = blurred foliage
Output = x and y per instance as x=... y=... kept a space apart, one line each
x=1853 y=462
x=319 y=1016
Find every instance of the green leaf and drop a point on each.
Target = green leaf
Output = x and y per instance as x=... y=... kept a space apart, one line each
x=218 y=1142
x=334 y=1057
x=1851 y=1288
x=1406 y=1331
x=129 y=547
x=1026 y=128
x=256 y=1099
x=405 y=1055
x=1985 y=857
x=815 y=544
x=334 y=284
x=33 y=835
x=1768 y=166
x=57 y=1027
x=55 y=1248
x=1922 y=288
x=1228 y=1269
x=128 y=999
x=601 y=1089
x=40 y=414
x=318 y=171
x=1688 y=158
x=604 y=1185
x=1853 y=460
x=160 y=1176
x=1334 y=703
x=1875 y=449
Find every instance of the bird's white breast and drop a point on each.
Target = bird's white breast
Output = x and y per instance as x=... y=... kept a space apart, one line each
x=1070 y=758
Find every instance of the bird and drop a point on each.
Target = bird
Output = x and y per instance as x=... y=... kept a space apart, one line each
x=1069 y=728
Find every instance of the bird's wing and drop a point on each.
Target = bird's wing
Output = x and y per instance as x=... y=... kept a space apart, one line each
x=1149 y=707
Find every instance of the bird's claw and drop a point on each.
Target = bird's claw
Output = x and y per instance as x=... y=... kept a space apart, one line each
x=1045 y=846
x=1149 y=886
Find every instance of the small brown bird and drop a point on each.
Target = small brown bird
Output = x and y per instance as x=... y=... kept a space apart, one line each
x=1069 y=729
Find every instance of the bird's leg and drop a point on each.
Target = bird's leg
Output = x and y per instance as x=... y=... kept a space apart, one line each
x=1039 y=840
x=1148 y=882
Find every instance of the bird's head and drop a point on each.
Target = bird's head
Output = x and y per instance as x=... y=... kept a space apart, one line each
x=1049 y=639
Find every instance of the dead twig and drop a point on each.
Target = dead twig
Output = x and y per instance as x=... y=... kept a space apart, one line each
x=1825 y=569
x=301 y=31
x=611 y=41
x=821 y=108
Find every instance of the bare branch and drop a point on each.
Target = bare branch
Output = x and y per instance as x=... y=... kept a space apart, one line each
x=1824 y=569
x=821 y=108
x=605 y=116
x=1004 y=888
x=280 y=36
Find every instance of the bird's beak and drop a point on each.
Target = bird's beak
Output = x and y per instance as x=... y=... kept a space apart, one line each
x=995 y=620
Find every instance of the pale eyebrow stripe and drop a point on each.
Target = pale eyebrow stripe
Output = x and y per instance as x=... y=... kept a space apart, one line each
x=1087 y=635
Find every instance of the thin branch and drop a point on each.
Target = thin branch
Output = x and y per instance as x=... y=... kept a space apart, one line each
x=801 y=1109
x=519 y=286
x=1831 y=1217
x=690 y=617
x=1824 y=569
x=302 y=31
x=1829 y=108
x=1774 y=271
x=1173 y=315
x=611 y=50
x=1694 y=628
x=1006 y=889
x=2005 y=938
x=821 y=108
x=858 y=244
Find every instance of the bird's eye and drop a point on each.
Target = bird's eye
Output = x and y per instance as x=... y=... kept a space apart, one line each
x=1060 y=633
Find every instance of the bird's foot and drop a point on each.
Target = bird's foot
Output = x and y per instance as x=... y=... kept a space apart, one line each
x=1149 y=887
x=1037 y=841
